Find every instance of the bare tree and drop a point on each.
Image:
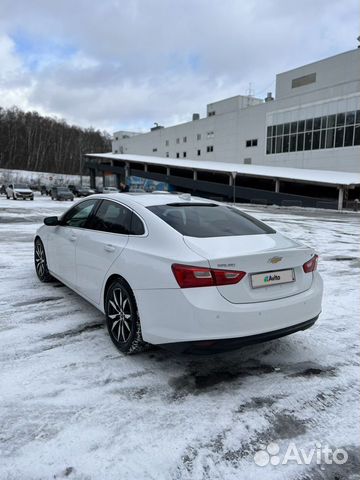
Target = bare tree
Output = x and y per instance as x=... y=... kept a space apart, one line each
x=29 y=141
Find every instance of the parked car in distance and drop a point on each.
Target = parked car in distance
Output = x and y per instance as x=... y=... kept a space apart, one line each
x=106 y=190
x=2 y=189
x=19 y=191
x=80 y=191
x=110 y=190
x=61 y=193
x=45 y=189
x=183 y=272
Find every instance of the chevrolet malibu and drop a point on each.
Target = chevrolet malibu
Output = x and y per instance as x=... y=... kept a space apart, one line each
x=182 y=272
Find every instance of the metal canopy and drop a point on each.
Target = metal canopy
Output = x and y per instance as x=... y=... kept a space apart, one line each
x=320 y=177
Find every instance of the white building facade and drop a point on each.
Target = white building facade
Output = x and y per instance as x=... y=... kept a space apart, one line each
x=313 y=122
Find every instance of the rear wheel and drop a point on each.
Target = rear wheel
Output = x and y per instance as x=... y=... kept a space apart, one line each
x=40 y=262
x=14 y=198
x=122 y=318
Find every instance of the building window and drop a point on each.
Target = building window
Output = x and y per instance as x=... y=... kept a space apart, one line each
x=210 y=135
x=252 y=143
x=166 y=143
x=329 y=131
x=184 y=154
x=302 y=81
x=198 y=136
x=185 y=139
x=198 y=153
x=178 y=140
x=167 y=154
x=211 y=114
x=154 y=149
x=247 y=161
x=116 y=138
x=177 y=155
x=115 y=151
x=210 y=148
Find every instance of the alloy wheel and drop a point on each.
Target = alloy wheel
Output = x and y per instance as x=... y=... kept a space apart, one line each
x=40 y=260
x=120 y=314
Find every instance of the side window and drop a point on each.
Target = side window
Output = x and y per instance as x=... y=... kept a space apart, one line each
x=137 y=226
x=112 y=217
x=77 y=216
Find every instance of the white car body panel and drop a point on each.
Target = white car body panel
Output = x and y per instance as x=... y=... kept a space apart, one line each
x=169 y=314
x=95 y=255
x=252 y=254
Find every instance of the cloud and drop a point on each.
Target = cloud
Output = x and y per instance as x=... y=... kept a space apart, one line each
x=125 y=64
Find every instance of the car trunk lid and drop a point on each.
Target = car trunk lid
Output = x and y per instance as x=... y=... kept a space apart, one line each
x=261 y=257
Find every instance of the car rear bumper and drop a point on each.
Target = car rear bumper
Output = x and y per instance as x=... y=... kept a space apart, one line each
x=205 y=347
x=187 y=315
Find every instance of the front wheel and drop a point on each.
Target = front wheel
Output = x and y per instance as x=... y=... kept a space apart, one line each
x=40 y=262
x=14 y=198
x=122 y=318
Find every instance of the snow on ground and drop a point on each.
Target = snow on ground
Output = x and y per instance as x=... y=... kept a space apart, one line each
x=71 y=406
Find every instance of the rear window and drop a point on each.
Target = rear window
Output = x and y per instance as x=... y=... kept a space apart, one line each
x=209 y=220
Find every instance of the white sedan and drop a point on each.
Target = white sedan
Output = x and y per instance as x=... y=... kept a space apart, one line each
x=19 y=191
x=183 y=272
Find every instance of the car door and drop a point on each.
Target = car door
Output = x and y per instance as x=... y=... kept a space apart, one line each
x=99 y=246
x=63 y=238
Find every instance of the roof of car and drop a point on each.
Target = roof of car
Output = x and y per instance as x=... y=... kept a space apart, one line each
x=150 y=199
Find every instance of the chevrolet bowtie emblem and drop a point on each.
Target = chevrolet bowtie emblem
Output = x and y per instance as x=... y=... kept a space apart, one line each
x=275 y=259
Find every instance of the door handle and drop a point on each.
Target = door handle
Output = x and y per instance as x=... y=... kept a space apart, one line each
x=109 y=248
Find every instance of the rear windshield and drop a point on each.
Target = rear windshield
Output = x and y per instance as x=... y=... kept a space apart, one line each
x=209 y=220
x=21 y=185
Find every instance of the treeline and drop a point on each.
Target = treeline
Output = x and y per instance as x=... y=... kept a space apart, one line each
x=29 y=141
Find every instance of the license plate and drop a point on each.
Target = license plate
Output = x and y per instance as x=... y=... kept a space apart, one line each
x=267 y=279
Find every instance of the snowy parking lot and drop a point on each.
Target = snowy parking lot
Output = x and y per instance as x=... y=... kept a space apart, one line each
x=72 y=406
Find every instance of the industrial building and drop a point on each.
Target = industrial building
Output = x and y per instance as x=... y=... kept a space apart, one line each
x=313 y=122
x=301 y=148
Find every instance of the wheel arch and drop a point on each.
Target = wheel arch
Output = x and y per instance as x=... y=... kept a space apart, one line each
x=112 y=277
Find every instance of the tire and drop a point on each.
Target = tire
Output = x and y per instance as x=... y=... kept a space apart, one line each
x=7 y=196
x=122 y=318
x=14 y=198
x=32 y=198
x=41 y=263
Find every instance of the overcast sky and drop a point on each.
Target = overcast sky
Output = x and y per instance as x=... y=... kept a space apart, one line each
x=124 y=64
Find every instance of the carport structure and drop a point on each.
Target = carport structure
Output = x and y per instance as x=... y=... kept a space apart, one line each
x=246 y=183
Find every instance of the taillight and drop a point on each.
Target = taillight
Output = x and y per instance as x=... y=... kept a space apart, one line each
x=311 y=265
x=188 y=276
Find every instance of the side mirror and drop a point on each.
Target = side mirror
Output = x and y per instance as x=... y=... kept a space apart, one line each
x=51 y=221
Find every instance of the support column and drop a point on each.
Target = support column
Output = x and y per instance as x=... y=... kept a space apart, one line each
x=92 y=178
x=168 y=171
x=233 y=174
x=195 y=175
x=118 y=180
x=230 y=180
x=127 y=171
x=145 y=167
x=340 y=198
x=277 y=186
